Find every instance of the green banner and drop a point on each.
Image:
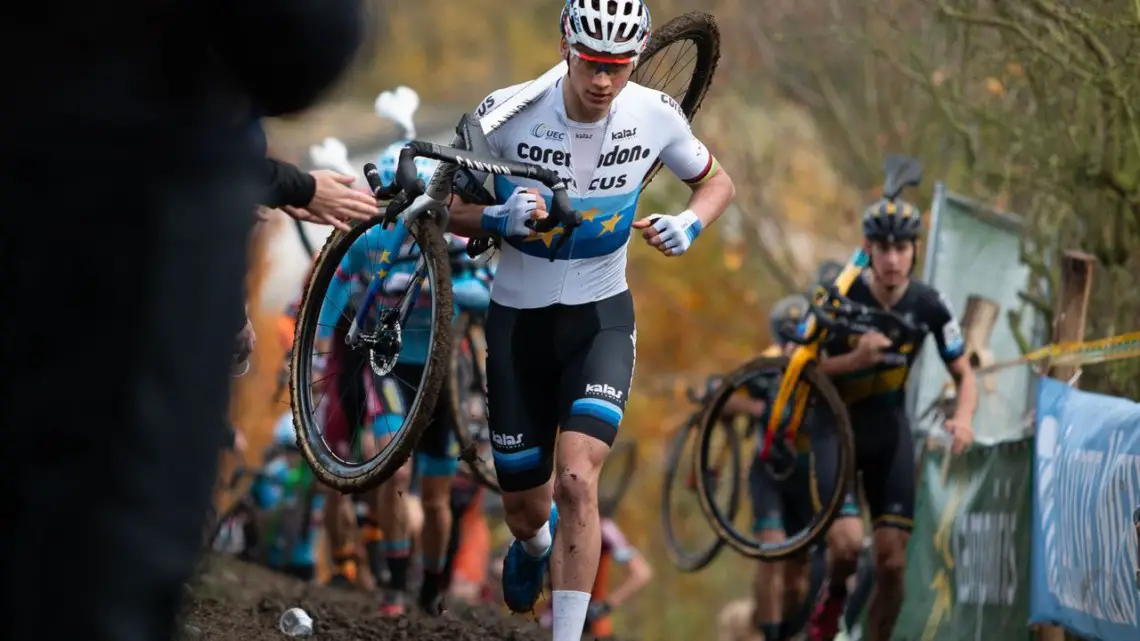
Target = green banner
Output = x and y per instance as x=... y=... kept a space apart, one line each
x=967 y=575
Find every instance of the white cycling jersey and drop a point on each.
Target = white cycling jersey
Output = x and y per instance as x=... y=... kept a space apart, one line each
x=603 y=163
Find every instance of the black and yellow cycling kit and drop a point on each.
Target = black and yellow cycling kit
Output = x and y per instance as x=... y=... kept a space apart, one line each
x=876 y=397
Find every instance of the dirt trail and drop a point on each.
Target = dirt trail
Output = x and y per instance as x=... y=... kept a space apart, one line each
x=233 y=601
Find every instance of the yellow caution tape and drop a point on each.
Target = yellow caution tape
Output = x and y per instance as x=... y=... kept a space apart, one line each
x=1084 y=352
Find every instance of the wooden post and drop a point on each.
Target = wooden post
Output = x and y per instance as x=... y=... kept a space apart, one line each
x=1072 y=305
x=1072 y=311
x=978 y=323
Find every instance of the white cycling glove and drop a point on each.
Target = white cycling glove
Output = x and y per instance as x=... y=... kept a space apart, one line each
x=678 y=232
x=509 y=219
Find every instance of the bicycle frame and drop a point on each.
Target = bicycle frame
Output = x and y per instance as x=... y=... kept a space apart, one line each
x=792 y=390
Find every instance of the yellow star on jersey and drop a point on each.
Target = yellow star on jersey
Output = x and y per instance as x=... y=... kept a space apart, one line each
x=547 y=237
x=610 y=224
x=382 y=273
x=591 y=214
x=385 y=256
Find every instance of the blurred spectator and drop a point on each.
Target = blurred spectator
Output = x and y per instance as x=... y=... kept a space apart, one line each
x=128 y=180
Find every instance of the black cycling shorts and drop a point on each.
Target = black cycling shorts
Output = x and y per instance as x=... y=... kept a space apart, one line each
x=789 y=504
x=563 y=365
x=437 y=452
x=884 y=453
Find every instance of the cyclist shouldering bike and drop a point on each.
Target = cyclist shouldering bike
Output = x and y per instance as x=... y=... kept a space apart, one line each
x=870 y=372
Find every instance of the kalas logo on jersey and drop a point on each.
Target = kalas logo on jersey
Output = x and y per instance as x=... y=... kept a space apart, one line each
x=537 y=154
x=546 y=133
x=506 y=440
x=618 y=156
x=608 y=182
x=623 y=134
x=604 y=390
x=583 y=136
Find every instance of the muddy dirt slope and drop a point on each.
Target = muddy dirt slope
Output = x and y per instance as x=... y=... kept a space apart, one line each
x=232 y=601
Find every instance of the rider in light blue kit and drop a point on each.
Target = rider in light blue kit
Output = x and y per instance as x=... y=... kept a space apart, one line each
x=277 y=491
x=436 y=460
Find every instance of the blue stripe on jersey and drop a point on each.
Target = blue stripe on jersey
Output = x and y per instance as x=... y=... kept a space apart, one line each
x=605 y=225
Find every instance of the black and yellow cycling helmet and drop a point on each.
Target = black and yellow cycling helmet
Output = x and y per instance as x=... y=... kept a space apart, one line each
x=827 y=272
x=890 y=219
x=786 y=315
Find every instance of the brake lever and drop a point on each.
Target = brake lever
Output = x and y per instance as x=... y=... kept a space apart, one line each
x=551 y=223
x=560 y=242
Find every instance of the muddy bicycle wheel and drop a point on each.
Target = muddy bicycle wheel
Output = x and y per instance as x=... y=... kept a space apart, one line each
x=345 y=393
x=680 y=61
x=826 y=415
x=466 y=393
x=616 y=476
x=679 y=491
x=855 y=609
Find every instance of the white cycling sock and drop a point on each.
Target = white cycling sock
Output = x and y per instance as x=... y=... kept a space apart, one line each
x=569 y=614
x=538 y=544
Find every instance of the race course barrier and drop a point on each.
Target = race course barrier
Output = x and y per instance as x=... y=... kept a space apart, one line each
x=967 y=576
x=1087 y=463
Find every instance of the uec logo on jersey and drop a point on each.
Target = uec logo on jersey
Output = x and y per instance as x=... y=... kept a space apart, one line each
x=544 y=132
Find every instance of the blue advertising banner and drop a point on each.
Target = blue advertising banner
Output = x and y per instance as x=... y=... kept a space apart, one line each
x=1087 y=485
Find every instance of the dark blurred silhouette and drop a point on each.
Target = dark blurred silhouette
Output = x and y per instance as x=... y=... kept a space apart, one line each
x=128 y=179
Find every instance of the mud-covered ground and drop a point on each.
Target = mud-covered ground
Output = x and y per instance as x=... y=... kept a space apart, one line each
x=231 y=601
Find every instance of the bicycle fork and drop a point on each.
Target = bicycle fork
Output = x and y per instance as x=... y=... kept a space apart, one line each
x=375 y=286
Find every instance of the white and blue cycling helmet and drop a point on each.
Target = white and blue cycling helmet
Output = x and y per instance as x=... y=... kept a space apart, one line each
x=615 y=27
x=390 y=157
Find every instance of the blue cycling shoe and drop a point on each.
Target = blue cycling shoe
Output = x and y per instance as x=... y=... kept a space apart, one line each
x=523 y=574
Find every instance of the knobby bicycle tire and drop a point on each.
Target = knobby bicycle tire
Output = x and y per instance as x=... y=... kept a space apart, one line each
x=484 y=471
x=327 y=466
x=621 y=452
x=817 y=528
x=864 y=585
x=699 y=28
x=684 y=560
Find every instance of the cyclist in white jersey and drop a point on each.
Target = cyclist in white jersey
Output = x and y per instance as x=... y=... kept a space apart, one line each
x=560 y=334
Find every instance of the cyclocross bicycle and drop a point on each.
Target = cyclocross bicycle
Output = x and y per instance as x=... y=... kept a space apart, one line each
x=830 y=313
x=370 y=339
